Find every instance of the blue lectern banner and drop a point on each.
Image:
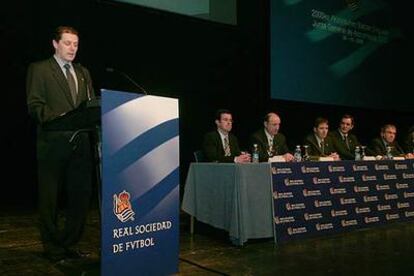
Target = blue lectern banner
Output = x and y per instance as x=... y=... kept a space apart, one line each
x=140 y=184
x=317 y=198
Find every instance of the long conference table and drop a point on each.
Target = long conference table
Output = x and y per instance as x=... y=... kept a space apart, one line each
x=238 y=197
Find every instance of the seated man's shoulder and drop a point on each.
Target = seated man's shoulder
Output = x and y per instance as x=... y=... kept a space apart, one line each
x=280 y=136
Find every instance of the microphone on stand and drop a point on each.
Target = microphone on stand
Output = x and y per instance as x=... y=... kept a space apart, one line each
x=123 y=74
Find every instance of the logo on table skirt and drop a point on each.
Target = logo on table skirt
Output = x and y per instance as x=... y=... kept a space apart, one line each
x=401 y=205
x=293 y=182
x=334 y=191
x=357 y=168
x=308 y=216
x=350 y=222
x=295 y=206
x=392 y=216
x=122 y=206
x=370 y=198
x=408 y=195
x=380 y=187
x=390 y=196
x=305 y=169
x=381 y=167
x=408 y=214
x=345 y=201
x=277 y=195
x=401 y=166
x=322 y=203
x=361 y=210
x=307 y=192
x=401 y=185
x=336 y=168
x=296 y=230
x=389 y=176
x=280 y=220
x=369 y=177
x=321 y=180
x=371 y=219
x=383 y=207
x=359 y=189
x=346 y=179
x=408 y=175
x=338 y=213
x=324 y=226
x=281 y=170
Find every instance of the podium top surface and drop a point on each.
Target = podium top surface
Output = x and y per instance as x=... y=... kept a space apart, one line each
x=86 y=115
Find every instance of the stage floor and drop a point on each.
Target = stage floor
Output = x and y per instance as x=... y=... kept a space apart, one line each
x=385 y=250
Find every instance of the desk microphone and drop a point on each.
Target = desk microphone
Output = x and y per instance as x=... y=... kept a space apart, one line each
x=123 y=74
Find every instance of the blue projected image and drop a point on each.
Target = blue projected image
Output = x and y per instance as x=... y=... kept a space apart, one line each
x=342 y=52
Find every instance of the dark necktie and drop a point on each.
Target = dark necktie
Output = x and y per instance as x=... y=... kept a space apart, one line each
x=346 y=141
x=322 y=147
x=71 y=82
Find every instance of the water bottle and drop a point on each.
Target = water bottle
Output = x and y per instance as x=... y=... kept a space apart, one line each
x=298 y=154
x=389 y=153
x=357 y=153
x=306 y=153
x=255 y=154
x=363 y=152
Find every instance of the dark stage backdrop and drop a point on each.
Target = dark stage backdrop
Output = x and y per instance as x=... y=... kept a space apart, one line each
x=205 y=65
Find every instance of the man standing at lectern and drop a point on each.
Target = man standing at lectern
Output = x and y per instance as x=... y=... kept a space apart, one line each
x=54 y=87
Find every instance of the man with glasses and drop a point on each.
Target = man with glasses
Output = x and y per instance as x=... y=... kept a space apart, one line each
x=379 y=145
x=269 y=140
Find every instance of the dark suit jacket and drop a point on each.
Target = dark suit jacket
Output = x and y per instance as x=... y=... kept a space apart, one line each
x=314 y=149
x=340 y=147
x=48 y=96
x=377 y=147
x=408 y=143
x=213 y=147
x=260 y=138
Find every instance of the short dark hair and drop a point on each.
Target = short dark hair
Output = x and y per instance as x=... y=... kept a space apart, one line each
x=63 y=30
x=348 y=116
x=320 y=120
x=221 y=111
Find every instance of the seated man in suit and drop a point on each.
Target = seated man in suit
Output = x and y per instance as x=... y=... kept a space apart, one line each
x=319 y=143
x=269 y=140
x=378 y=146
x=408 y=143
x=220 y=145
x=344 y=142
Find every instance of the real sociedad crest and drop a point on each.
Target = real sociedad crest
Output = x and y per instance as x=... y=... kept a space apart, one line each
x=122 y=207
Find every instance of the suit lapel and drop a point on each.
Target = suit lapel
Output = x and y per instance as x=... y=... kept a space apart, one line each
x=220 y=142
x=61 y=80
x=81 y=84
x=316 y=144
